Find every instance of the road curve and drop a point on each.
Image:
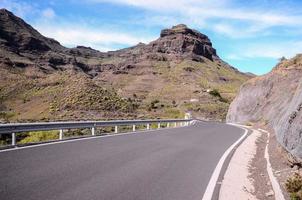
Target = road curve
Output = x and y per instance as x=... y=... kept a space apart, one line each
x=168 y=164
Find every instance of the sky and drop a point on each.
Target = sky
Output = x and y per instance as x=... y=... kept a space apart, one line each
x=250 y=35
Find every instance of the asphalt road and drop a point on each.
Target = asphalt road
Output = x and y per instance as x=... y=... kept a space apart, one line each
x=168 y=164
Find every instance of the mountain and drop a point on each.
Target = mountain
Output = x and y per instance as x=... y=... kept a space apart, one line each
x=178 y=72
x=275 y=100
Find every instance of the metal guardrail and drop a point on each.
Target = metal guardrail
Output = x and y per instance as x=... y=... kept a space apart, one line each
x=14 y=128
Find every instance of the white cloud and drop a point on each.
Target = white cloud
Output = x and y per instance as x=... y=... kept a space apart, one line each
x=266 y=50
x=234 y=57
x=287 y=49
x=48 y=13
x=219 y=14
x=20 y=9
x=72 y=35
x=162 y=5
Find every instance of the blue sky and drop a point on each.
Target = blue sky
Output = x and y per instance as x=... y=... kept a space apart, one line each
x=251 y=36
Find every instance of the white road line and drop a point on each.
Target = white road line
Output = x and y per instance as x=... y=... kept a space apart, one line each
x=86 y=138
x=213 y=181
x=273 y=179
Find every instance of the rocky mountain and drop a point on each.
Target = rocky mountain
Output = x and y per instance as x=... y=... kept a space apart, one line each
x=275 y=100
x=179 y=72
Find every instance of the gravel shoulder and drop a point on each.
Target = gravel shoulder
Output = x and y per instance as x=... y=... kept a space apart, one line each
x=246 y=176
x=279 y=162
x=237 y=183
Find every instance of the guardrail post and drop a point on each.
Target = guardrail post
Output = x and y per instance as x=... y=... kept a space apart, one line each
x=13 y=139
x=115 y=129
x=148 y=126
x=158 y=125
x=93 y=131
x=175 y=124
x=133 y=128
x=168 y=125
x=61 y=134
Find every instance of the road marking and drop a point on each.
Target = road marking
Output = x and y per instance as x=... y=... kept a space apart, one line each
x=86 y=138
x=273 y=179
x=208 y=194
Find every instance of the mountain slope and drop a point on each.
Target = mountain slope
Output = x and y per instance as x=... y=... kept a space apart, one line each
x=177 y=73
x=274 y=99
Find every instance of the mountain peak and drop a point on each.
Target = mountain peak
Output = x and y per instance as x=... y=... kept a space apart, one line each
x=3 y=10
x=18 y=36
x=183 y=40
x=182 y=29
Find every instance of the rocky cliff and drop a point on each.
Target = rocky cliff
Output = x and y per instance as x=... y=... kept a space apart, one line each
x=43 y=80
x=274 y=99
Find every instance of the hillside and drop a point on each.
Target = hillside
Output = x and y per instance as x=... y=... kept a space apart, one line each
x=178 y=72
x=275 y=100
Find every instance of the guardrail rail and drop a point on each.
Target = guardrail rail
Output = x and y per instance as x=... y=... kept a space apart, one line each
x=14 y=128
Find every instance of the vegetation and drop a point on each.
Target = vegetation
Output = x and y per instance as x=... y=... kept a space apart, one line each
x=216 y=93
x=39 y=136
x=6 y=115
x=67 y=95
x=5 y=139
x=294 y=186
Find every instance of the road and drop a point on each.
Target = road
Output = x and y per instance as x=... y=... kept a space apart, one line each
x=166 y=164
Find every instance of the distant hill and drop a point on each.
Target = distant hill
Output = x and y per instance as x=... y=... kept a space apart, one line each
x=178 y=72
x=275 y=100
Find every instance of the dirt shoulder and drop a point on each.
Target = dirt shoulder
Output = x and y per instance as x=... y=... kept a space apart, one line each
x=258 y=171
x=246 y=176
x=236 y=183
x=279 y=162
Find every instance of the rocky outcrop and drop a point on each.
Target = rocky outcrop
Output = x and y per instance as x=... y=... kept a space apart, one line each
x=177 y=43
x=20 y=37
x=276 y=100
x=181 y=40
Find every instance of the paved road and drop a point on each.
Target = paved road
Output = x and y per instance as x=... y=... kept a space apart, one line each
x=170 y=164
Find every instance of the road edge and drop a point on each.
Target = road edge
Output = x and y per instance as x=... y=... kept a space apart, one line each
x=208 y=194
x=275 y=184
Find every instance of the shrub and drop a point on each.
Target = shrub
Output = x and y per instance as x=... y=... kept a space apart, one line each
x=216 y=93
x=294 y=186
x=39 y=136
x=153 y=104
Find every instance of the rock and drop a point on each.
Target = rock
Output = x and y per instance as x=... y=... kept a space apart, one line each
x=18 y=36
x=295 y=167
x=270 y=193
x=275 y=98
x=182 y=40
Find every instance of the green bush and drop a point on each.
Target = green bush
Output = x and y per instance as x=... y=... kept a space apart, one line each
x=216 y=93
x=153 y=104
x=294 y=186
x=40 y=136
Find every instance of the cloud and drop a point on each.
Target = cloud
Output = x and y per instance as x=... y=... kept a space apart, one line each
x=72 y=35
x=266 y=50
x=48 y=13
x=287 y=49
x=220 y=15
x=20 y=9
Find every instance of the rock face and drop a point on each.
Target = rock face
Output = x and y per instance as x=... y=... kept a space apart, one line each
x=177 y=43
x=184 y=41
x=20 y=37
x=274 y=99
x=43 y=80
